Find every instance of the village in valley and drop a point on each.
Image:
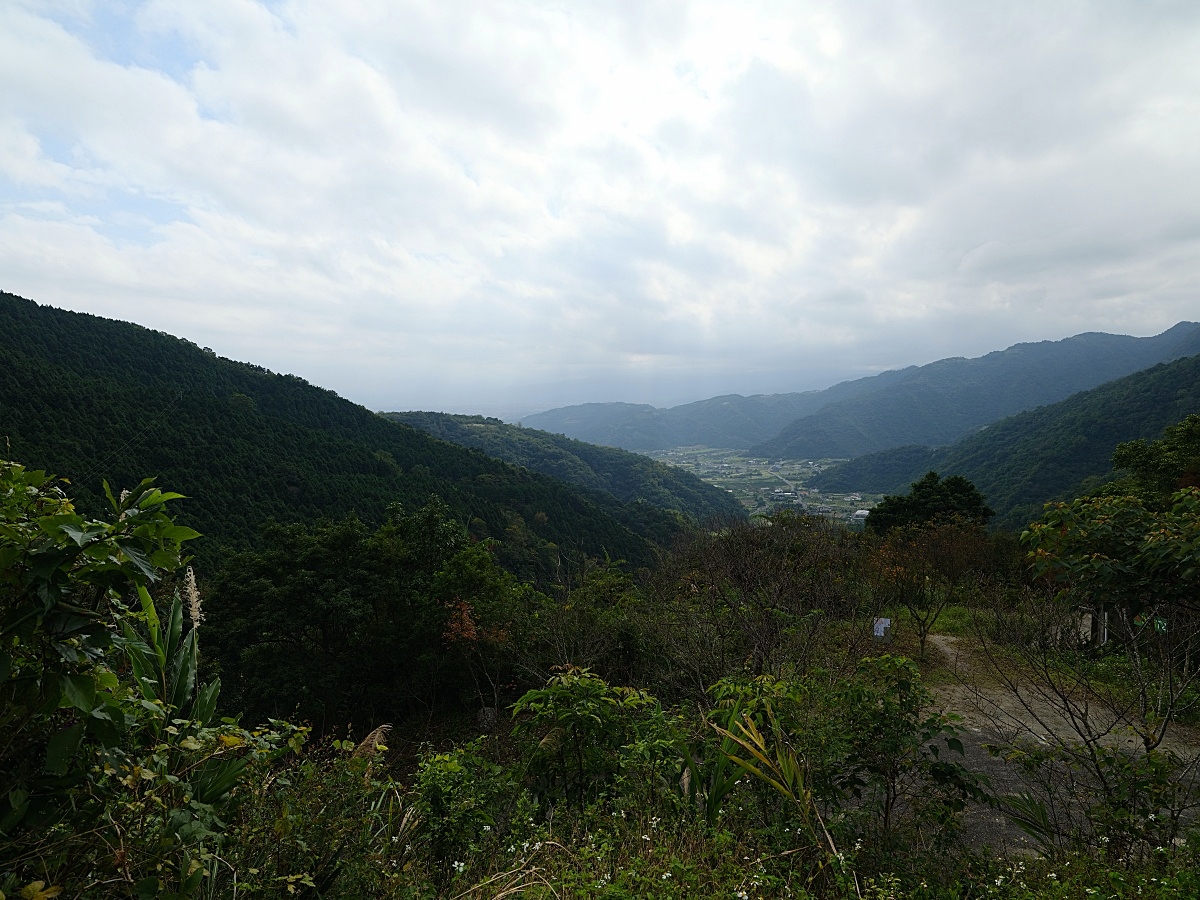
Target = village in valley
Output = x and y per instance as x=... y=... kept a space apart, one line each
x=766 y=486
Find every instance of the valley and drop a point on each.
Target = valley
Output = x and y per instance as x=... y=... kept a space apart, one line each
x=765 y=486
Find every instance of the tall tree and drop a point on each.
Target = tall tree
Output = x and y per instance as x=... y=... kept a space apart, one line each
x=931 y=501
x=1158 y=468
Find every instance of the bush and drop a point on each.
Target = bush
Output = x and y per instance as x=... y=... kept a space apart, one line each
x=113 y=773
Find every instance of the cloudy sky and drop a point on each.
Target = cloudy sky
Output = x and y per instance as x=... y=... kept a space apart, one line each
x=506 y=206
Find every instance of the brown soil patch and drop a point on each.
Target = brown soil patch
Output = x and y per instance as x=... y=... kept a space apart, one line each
x=992 y=714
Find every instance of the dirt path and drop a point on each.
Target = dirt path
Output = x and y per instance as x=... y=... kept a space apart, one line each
x=992 y=713
x=986 y=705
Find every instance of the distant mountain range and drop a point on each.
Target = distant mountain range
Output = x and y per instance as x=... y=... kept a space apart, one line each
x=1052 y=452
x=628 y=477
x=91 y=398
x=934 y=404
x=730 y=421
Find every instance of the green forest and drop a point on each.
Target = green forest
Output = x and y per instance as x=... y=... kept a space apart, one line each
x=91 y=398
x=256 y=640
x=949 y=399
x=352 y=710
x=933 y=404
x=628 y=477
x=1053 y=452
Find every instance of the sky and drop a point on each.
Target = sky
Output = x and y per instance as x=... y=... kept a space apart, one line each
x=503 y=207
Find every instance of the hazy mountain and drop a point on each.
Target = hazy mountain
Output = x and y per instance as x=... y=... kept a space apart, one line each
x=943 y=401
x=933 y=404
x=628 y=477
x=731 y=421
x=1042 y=454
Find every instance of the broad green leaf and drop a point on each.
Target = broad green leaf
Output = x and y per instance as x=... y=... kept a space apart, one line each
x=138 y=558
x=206 y=702
x=61 y=748
x=153 y=625
x=180 y=533
x=184 y=672
x=216 y=778
x=107 y=681
x=38 y=890
x=55 y=525
x=112 y=501
x=176 y=627
x=79 y=691
x=17 y=807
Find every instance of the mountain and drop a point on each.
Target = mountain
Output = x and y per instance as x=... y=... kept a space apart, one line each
x=91 y=398
x=1023 y=461
x=629 y=477
x=943 y=401
x=730 y=421
x=933 y=404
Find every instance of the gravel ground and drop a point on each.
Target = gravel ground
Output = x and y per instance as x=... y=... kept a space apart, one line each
x=991 y=714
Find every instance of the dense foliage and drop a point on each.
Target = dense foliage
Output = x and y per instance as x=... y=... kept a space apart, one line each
x=727 y=726
x=1156 y=469
x=336 y=623
x=1049 y=453
x=93 y=398
x=728 y=717
x=932 y=500
x=628 y=477
x=114 y=772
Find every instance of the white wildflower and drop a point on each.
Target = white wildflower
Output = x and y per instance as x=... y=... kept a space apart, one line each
x=192 y=594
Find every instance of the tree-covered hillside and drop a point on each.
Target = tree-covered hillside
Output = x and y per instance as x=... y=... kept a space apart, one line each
x=731 y=420
x=729 y=727
x=943 y=401
x=1042 y=454
x=933 y=404
x=92 y=398
x=627 y=476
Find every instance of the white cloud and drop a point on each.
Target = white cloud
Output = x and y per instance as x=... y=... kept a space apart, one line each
x=520 y=204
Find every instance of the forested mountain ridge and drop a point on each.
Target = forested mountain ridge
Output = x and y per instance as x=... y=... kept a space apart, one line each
x=732 y=421
x=945 y=400
x=1042 y=454
x=91 y=398
x=932 y=404
x=628 y=477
